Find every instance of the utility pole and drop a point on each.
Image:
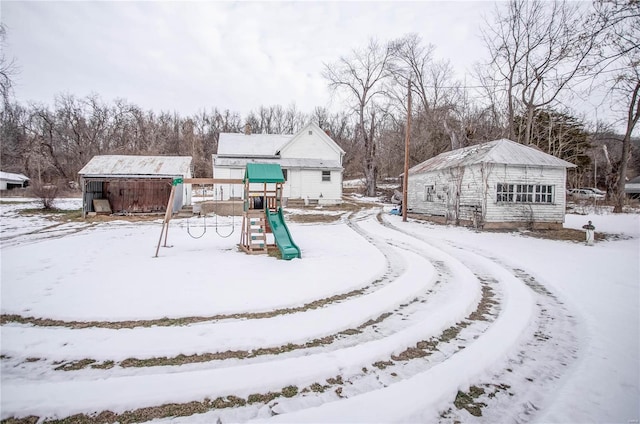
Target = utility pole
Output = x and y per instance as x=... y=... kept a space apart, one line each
x=407 y=137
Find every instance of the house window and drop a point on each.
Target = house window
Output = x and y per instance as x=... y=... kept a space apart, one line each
x=544 y=194
x=505 y=193
x=284 y=174
x=429 y=191
x=310 y=132
x=524 y=193
x=326 y=175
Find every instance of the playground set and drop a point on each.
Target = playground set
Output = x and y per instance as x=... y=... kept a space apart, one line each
x=263 y=224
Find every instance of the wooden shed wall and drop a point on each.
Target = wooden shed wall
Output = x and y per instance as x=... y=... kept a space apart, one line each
x=537 y=212
x=128 y=195
x=138 y=196
x=477 y=188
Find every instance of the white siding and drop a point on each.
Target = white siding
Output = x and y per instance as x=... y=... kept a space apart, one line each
x=313 y=146
x=294 y=184
x=229 y=190
x=307 y=184
x=538 y=212
x=286 y=187
x=304 y=158
x=444 y=199
x=477 y=185
x=311 y=186
x=186 y=189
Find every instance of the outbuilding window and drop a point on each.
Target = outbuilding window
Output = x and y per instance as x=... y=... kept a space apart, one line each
x=505 y=193
x=326 y=175
x=429 y=190
x=544 y=194
x=524 y=193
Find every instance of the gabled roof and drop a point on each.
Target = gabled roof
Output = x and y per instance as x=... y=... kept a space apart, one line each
x=263 y=173
x=265 y=145
x=635 y=180
x=106 y=165
x=321 y=133
x=285 y=163
x=254 y=145
x=501 y=151
x=13 y=178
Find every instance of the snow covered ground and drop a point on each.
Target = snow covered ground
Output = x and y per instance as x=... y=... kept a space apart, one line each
x=380 y=321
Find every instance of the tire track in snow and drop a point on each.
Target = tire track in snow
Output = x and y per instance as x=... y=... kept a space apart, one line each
x=541 y=359
x=420 y=398
x=230 y=334
x=96 y=389
x=54 y=231
x=358 y=387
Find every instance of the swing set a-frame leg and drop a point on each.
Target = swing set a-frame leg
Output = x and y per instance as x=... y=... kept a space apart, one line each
x=167 y=218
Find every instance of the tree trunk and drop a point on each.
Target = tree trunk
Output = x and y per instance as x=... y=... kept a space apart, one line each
x=370 y=166
x=632 y=120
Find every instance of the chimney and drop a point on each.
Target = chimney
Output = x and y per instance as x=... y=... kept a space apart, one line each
x=327 y=132
x=247 y=129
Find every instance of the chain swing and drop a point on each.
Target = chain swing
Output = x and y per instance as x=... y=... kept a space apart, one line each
x=233 y=213
x=204 y=231
x=204 y=219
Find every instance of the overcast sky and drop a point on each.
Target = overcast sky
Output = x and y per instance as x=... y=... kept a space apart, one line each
x=190 y=56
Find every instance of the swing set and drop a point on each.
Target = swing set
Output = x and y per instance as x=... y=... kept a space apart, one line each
x=197 y=182
x=217 y=194
x=262 y=211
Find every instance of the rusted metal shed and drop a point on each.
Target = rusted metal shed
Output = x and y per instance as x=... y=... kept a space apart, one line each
x=135 y=184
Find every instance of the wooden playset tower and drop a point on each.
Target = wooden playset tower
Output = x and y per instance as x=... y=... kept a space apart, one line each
x=262 y=191
x=263 y=224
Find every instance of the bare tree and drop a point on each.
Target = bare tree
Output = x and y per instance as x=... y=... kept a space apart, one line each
x=619 y=66
x=46 y=194
x=294 y=120
x=538 y=53
x=362 y=77
x=7 y=69
x=433 y=86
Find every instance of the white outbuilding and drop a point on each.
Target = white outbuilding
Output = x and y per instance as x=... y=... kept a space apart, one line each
x=632 y=188
x=10 y=180
x=499 y=184
x=310 y=160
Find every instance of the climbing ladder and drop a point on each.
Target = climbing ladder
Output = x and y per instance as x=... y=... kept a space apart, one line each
x=254 y=232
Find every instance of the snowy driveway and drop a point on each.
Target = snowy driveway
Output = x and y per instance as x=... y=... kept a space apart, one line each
x=380 y=321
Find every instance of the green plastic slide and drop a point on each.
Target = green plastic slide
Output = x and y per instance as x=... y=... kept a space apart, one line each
x=282 y=236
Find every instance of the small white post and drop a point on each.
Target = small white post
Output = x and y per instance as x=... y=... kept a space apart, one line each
x=590 y=233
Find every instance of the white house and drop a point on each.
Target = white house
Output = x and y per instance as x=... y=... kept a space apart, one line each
x=310 y=160
x=9 y=181
x=135 y=184
x=499 y=184
x=632 y=188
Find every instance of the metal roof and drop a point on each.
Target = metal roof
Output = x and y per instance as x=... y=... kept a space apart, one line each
x=13 y=178
x=107 y=165
x=264 y=173
x=238 y=144
x=501 y=151
x=266 y=145
x=289 y=163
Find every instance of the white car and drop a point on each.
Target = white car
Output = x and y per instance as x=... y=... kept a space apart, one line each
x=584 y=193
x=595 y=190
